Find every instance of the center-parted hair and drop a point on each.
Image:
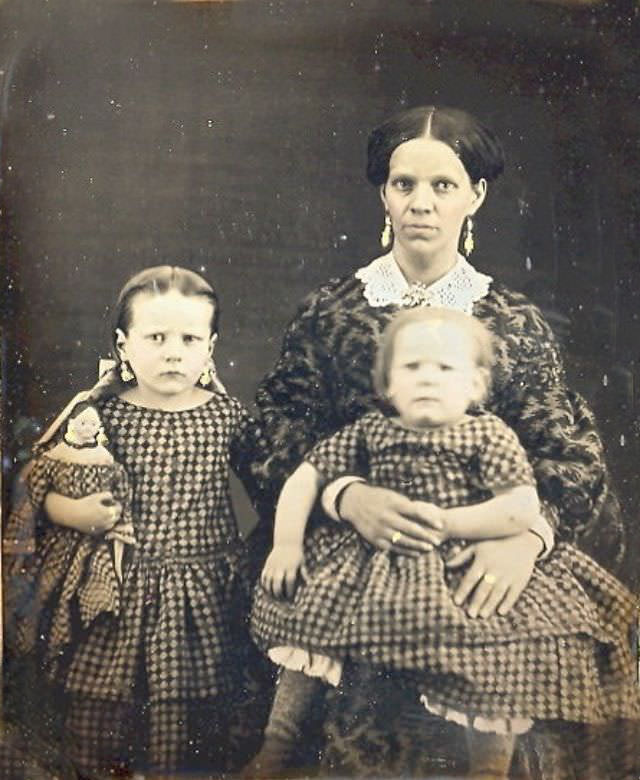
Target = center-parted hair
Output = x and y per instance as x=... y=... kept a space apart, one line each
x=478 y=334
x=473 y=143
x=158 y=280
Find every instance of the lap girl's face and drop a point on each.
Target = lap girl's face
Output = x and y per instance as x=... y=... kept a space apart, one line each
x=433 y=375
x=168 y=345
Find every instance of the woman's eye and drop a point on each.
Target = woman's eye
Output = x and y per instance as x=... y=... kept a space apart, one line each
x=445 y=367
x=444 y=186
x=403 y=184
x=413 y=366
x=156 y=338
x=188 y=339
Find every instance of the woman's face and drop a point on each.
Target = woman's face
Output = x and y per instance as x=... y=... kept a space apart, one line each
x=428 y=196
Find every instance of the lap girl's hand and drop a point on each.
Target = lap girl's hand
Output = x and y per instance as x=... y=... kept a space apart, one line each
x=281 y=571
x=389 y=520
x=500 y=570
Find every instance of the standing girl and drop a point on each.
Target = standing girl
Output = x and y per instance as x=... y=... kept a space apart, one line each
x=336 y=597
x=156 y=688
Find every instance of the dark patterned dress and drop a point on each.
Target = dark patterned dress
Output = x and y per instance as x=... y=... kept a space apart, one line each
x=561 y=653
x=156 y=687
x=61 y=579
x=375 y=725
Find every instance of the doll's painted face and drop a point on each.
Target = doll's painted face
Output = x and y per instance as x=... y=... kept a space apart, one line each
x=84 y=427
x=433 y=375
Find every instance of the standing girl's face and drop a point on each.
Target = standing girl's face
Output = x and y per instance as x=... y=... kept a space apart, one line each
x=168 y=345
x=428 y=196
x=433 y=374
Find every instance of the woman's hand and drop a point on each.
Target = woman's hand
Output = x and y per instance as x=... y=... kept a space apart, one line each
x=499 y=572
x=282 y=569
x=92 y=514
x=389 y=520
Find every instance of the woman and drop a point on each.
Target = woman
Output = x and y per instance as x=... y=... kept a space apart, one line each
x=432 y=167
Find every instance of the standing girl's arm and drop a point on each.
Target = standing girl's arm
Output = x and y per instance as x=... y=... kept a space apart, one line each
x=286 y=559
x=92 y=514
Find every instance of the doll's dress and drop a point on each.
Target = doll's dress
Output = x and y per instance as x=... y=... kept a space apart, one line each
x=61 y=579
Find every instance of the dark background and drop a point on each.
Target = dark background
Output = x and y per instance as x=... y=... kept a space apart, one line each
x=230 y=138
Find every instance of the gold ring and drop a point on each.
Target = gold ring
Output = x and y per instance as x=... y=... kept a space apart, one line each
x=396 y=536
x=490 y=579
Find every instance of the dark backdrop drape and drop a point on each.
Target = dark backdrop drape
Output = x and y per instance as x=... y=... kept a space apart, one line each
x=230 y=138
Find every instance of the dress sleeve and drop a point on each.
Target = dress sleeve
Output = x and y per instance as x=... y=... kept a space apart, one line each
x=344 y=453
x=502 y=460
x=295 y=398
x=554 y=424
x=249 y=451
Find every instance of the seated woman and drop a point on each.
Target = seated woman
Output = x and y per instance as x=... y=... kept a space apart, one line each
x=432 y=167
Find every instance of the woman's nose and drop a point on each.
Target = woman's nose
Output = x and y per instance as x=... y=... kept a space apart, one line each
x=422 y=199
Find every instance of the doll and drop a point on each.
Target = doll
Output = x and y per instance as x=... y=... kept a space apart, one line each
x=63 y=576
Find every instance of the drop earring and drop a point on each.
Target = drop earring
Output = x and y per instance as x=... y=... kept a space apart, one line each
x=126 y=374
x=386 y=237
x=468 y=243
x=206 y=377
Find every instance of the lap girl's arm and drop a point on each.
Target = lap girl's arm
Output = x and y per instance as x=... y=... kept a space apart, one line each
x=294 y=507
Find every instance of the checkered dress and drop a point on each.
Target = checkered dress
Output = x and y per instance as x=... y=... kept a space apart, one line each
x=67 y=579
x=561 y=653
x=155 y=688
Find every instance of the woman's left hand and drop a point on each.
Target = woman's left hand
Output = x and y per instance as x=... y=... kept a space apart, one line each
x=499 y=572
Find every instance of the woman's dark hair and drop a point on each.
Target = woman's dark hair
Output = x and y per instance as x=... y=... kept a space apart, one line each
x=158 y=280
x=475 y=145
x=478 y=333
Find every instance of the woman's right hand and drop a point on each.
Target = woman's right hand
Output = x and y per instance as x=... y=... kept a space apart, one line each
x=92 y=514
x=389 y=520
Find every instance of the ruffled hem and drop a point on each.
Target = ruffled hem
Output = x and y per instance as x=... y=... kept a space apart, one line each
x=478 y=722
x=312 y=664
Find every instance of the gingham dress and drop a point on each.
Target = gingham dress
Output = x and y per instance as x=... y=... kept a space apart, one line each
x=166 y=674
x=561 y=653
x=70 y=578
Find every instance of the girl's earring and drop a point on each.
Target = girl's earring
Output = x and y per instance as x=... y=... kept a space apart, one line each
x=126 y=374
x=468 y=243
x=209 y=378
x=206 y=377
x=386 y=237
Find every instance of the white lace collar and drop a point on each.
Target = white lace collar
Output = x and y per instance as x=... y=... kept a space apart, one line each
x=385 y=285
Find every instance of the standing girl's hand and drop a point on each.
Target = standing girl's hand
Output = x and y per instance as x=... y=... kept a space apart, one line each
x=282 y=569
x=92 y=514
